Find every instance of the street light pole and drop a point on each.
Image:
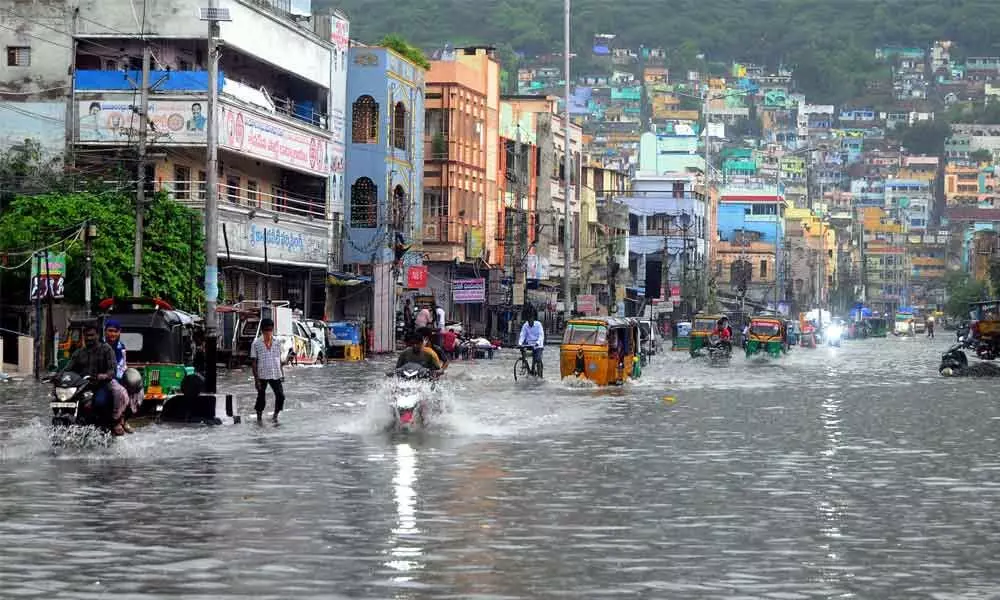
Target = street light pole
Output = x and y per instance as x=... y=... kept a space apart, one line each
x=213 y=15
x=568 y=166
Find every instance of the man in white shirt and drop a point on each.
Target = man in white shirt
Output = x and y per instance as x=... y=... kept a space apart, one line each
x=533 y=335
x=439 y=323
x=265 y=361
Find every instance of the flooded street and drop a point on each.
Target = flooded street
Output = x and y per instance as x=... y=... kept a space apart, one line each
x=855 y=472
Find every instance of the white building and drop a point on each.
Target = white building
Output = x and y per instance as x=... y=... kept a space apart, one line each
x=281 y=127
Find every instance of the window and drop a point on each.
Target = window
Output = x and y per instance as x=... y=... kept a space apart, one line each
x=763 y=269
x=18 y=56
x=364 y=204
x=182 y=183
x=233 y=189
x=741 y=273
x=678 y=190
x=364 y=121
x=202 y=186
x=399 y=126
x=399 y=208
x=764 y=209
x=252 y=198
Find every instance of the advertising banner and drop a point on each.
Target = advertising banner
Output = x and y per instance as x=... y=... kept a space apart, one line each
x=48 y=276
x=273 y=141
x=114 y=121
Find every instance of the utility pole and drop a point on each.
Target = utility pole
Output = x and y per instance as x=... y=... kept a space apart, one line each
x=140 y=191
x=707 y=235
x=213 y=15
x=89 y=232
x=568 y=162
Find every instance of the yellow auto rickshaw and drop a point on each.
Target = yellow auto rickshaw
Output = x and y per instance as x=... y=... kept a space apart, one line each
x=701 y=330
x=600 y=349
x=767 y=335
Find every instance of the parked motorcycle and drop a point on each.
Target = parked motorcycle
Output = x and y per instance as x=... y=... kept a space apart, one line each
x=410 y=409
x=953 y=361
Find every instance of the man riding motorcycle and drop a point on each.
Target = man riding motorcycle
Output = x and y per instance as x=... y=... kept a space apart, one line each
x=95 y=360
x=725 y=333
x=429 y=337
x=417 y=352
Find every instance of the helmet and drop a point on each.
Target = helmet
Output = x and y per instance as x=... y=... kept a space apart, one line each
x=132 y=380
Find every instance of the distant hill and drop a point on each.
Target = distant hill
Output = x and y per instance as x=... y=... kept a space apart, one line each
x=831 y=42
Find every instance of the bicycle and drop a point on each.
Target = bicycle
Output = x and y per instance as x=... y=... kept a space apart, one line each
x=523 y=369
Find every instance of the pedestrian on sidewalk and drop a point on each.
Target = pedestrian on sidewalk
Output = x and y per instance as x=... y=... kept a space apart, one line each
x=265 y=360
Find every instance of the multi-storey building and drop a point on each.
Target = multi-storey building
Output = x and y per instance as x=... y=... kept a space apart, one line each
x=545 y=261
x=750 y=254
x=461 y=200
x=668 y=233
x=385 y=164
x=910 y=201
x=885 y=265
x=280 y=112
x=601 y=242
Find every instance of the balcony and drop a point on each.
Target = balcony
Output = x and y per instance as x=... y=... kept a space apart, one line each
x=439 y=229
x=121 y=87
x=276 y=205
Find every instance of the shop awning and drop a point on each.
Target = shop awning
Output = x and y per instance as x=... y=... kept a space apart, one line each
x=338 y=278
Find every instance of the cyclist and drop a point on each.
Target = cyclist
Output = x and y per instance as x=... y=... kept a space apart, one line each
x=533 y=336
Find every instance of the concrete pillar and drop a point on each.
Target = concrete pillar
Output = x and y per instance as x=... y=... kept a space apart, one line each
x=25 y=354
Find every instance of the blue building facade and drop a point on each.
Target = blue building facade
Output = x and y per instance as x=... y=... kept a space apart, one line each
x=757 y=214
x=385 y=154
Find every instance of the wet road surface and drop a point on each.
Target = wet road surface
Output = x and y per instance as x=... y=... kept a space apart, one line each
x=855 y=472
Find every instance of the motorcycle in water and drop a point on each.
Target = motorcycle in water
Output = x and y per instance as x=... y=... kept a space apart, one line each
x=72 y=403
x=719 y=350
x=953 y=361
x=410 y=410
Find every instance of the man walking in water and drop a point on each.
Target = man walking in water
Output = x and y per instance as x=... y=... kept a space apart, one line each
x=265 y=360
x=930 y=327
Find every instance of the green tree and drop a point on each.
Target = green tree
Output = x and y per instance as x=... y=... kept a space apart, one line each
x=923 y=137
x=963 y=289
x=173 y=242
x=403 y=48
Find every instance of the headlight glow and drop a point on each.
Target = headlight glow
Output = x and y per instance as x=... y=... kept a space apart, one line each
x=65 y=394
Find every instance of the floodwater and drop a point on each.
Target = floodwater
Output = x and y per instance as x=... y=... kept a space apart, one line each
x=853 y=472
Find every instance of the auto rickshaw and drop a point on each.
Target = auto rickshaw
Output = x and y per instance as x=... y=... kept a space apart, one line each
x=681 y=337
x=159 y=342
x=808 y=337
x=600 y=349
x=767 y=335
x=701 y=329
x=877 y=327
x=984 y=328
x=71 y=342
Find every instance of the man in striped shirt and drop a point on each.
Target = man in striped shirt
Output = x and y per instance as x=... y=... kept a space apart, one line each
x=265 y=360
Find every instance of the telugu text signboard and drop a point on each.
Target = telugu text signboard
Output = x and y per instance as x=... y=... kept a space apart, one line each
x=469 y=291
x=272 y=141
x=288 y=243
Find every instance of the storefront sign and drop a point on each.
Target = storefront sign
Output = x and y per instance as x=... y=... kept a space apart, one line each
x=469 y=291
x=115 y=121
x=48 y=276
x=288 y=243
x=586 y=304
x=416 y=277
x=274 y=142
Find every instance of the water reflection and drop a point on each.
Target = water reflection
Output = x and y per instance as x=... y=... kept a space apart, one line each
x=404 y=543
